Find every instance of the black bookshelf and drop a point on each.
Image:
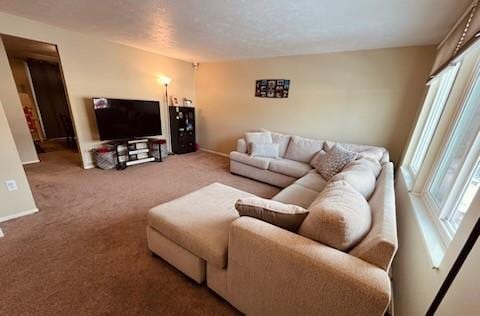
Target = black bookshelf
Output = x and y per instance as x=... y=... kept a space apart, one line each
x=182 y=129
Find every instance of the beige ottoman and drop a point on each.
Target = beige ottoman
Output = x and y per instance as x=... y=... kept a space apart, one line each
x=193 y=229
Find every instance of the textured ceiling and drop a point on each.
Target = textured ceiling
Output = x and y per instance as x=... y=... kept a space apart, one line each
x=205 y=30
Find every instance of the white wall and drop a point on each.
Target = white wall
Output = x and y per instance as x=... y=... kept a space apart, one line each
x=94 y=68
x=15 y=202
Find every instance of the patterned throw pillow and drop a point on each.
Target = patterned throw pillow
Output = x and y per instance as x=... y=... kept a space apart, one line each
x=329 y=163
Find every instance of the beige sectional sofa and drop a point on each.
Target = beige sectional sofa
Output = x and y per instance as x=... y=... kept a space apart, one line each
x=262 y=269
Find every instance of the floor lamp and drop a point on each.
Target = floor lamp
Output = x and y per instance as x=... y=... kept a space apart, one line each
x=166 y=81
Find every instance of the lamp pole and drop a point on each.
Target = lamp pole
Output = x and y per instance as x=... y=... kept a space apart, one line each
x=166 y=93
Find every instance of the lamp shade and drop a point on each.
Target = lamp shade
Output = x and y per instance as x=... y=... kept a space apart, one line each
x=165 y=80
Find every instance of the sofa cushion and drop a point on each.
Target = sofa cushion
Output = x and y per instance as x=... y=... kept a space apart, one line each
x=312 y=180
x=242 y=145
x=282 y=141
x=200 y=221
x=372 y=164
x=297 y=195
x=288 y=167
x=329 y=163
x=373 y=152
x=283 y=215
x=360 y=177
x=264 y=150
x=258 y=137
x=340 y=217
x=259 y=162
x=380 y=245
x=303 y=149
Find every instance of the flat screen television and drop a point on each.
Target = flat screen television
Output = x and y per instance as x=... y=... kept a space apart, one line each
x=121 y=119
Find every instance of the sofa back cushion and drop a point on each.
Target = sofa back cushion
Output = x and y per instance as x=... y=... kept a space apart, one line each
x=303 y=149
x=360 y=176
x=340 y=217
x=372 y=164
x=380 y=245
x=282 y=141
x=374 y=152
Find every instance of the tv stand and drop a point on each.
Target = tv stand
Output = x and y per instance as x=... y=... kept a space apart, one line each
x=136 y=151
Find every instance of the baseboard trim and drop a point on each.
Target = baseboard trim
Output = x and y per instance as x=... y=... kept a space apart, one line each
x=89 y=166
x=17 y=215
x=214 y=152
x=30 y=162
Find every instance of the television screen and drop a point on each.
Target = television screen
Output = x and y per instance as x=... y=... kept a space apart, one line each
x=120 y=119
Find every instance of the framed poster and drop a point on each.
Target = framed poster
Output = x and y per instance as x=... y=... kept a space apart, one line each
x=272 y=88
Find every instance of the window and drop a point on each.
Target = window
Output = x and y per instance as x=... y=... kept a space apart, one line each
x=458 y=164
x=442 y=162
x=467 y=197
x=444 y=83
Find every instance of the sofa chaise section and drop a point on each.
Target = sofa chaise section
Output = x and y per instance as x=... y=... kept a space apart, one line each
x=193 y=229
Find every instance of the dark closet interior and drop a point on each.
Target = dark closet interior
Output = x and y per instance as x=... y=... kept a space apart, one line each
x=51 y=99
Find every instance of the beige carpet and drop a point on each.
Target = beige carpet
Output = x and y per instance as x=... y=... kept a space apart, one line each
x=85 y=252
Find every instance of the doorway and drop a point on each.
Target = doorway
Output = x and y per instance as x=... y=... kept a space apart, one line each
x=38 y=76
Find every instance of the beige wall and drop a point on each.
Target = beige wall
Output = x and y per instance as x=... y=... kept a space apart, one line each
x=415 y=281
x=19 y=201
x=94 y=67
x=463 y=297
x=13 y=110
x=22 y=81
x=369 y=97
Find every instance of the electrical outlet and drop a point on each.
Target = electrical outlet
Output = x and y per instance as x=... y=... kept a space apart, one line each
x=11 y=185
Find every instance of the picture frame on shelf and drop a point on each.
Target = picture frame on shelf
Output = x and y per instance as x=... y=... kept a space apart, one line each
x=187 y=102
x=174 y=101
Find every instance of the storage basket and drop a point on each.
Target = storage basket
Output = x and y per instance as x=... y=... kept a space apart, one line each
x=105 y=157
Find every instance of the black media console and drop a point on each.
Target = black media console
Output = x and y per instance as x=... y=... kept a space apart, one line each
x=137 y=151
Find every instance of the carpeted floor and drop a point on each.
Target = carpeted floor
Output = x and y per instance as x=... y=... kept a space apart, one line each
x=85 y=252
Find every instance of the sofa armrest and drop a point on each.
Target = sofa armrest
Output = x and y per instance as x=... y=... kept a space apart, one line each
x=242 y=145
x=272 y=271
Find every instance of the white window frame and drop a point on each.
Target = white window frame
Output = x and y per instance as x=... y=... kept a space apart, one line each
x=442 y=215
x=434 y=113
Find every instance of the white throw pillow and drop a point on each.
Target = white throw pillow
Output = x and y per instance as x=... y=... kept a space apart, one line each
x=283 y=215
x=258 y=138
x=280 y=139
x=340 y=217
x=264 y=150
